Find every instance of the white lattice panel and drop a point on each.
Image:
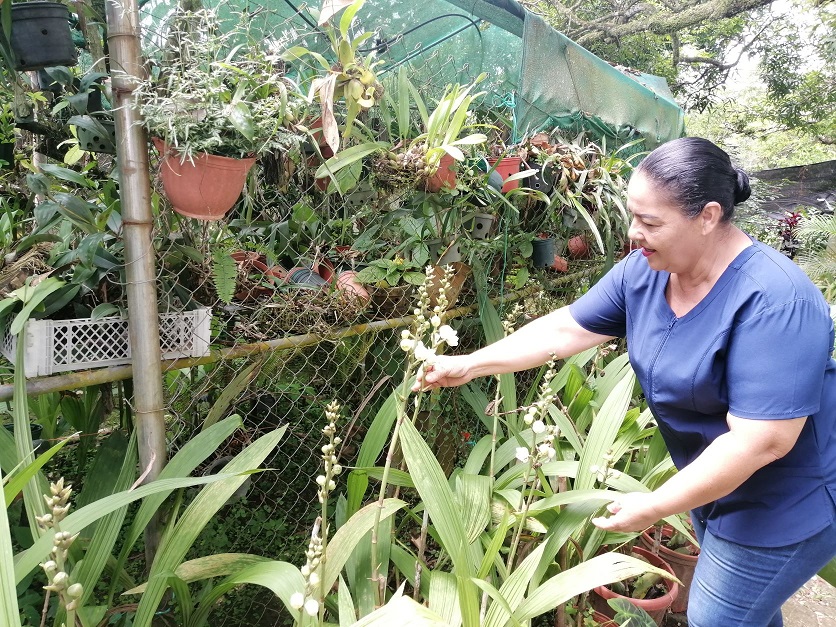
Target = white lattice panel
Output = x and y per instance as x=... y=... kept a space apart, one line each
x=62 y=345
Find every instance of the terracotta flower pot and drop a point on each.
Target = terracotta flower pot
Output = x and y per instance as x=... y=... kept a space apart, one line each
x=348 y=283
x=255 y=263
x=505 y=168
x=578 y=247
x=445 y=176
x=206 y=188
x=657 y=608
x=683 y=565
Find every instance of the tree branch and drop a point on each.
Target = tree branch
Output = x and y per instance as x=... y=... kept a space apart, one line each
x=666 y=22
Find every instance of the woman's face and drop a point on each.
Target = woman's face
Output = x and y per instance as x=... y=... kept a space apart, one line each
x=669 y=240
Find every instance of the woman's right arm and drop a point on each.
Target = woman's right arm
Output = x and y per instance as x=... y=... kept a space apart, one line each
x=556 y=334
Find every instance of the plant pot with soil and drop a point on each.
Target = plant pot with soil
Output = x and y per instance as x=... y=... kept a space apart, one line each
x=677 y=550
x=651 y=592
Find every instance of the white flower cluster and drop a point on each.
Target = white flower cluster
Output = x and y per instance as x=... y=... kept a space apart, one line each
x=605 y=472
x=305 y=600
x=542 y=452
x=332 y=468
x=510 y=320
x=58 y=503
x=439 y=333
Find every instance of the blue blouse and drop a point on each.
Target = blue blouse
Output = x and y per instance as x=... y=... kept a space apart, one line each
x=757 y=346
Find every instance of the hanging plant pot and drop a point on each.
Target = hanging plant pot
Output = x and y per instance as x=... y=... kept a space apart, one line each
x=542 y=180
x=96 y=134
x=480 y=225
x=41 y=36
x=444 y=177
x=506 y=167
x=542 y=255
x=205 y=188
x=7 y=154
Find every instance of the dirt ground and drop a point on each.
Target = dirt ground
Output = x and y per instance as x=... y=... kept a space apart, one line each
x=812 y=606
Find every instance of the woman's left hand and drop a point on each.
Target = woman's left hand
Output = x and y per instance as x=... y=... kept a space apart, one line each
x=633 y=511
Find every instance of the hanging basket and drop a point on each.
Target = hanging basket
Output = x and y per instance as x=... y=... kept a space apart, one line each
x=41 y=36
x=204 y=188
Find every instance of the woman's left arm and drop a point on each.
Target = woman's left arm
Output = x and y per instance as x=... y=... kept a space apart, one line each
x=721 y=468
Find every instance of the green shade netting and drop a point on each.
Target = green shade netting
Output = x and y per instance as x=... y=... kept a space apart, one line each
x=564 y=85
x=541 y=78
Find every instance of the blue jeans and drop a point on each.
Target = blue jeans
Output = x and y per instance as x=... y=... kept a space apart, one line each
x=743 y=586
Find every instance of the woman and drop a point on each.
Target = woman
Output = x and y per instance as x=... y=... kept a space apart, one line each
x=732 y=346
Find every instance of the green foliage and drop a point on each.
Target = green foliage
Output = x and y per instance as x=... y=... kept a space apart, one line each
x=391 y=272
x=217 y=91
x=224 y=273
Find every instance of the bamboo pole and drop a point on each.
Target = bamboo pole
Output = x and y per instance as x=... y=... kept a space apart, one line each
x=135 y=190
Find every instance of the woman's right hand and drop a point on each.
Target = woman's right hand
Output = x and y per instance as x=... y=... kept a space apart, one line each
x=445 y=371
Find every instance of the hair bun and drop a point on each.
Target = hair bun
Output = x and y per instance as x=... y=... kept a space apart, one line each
x=742 y=191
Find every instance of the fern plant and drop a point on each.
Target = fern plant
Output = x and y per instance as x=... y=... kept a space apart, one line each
x=224 y=274
x=819 y=257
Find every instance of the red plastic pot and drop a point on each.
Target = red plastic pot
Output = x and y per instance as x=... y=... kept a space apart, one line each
x=657 y=608
x=204 y=188
x=505 y=168
x=444 y=177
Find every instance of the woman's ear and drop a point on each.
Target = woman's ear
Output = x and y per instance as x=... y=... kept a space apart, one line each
x=711 y=217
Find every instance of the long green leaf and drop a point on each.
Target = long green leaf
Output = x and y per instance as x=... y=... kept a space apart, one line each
x=174 y=546
x=195 y=452
x=27 y=561
x=598 y=571
x=34 y=489
x=345 y=604
x=404 y=612
x=9 y=613
x=444 y=598
x=604 y=431
x=208 y=567
x=513 y=589
x=346 y=157
x=341 y=545
x=281 y=578
x=230 y=393
x=17 y=481
x=492 y=326
x=107 y=530
x=437 y=496
x=473 y=493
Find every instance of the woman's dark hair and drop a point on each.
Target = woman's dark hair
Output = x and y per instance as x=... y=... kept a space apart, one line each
x=693 y=172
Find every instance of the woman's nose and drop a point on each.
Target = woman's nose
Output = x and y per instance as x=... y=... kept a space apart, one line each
x=633 y=232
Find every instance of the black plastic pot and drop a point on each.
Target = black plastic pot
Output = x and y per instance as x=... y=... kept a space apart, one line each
x=542 y=180
x=41 y=35
x=305 y=277
x=543 y=254
x=7 y=154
